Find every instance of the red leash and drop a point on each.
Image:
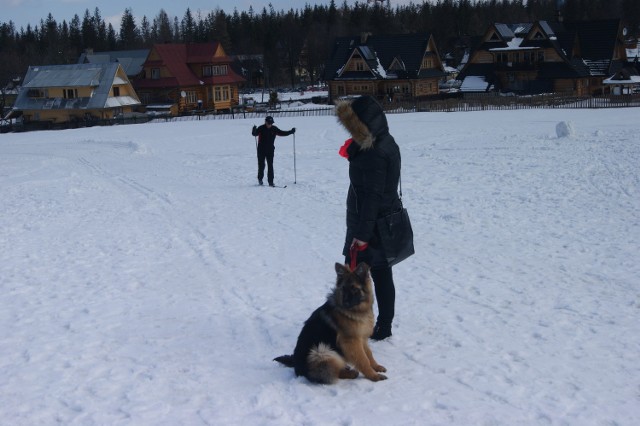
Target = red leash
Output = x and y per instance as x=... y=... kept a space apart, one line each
x=353 y=253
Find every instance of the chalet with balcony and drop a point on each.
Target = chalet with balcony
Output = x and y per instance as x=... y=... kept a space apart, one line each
x=546 y=57
x=388 y=67
x=189 y=77
x=78 y=92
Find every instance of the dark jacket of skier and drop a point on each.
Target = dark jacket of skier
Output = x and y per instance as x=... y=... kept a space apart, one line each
x=374 y=172
x=267 y=137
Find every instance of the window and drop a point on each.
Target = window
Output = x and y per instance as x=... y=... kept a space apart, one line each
x=70 y=93
x=155 y=73
x=359 y=66
x=361 y=88
x=37 y=93
x=116 y=91
x=221 y=93
x=427 y=63
x=212 y=70
x=192 y=97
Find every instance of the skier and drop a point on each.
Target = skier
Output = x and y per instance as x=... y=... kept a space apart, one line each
x=266 y=146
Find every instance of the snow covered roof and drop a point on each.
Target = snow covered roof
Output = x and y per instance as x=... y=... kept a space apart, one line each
x=474 y=83
x=99 y=77
x=513 y=44
x=387 y=56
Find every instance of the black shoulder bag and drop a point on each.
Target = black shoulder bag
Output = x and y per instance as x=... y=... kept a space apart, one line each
x=396 y=234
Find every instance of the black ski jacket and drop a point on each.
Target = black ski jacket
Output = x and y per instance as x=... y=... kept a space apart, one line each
x=267 y=137
x=374 y=172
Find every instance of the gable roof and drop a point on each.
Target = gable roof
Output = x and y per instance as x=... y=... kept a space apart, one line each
x=176 y=57
x=100 y=77
x=586 y=47
x=380 y=52
x=131 y=60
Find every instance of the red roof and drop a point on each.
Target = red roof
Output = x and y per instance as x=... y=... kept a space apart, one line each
x=177 y=57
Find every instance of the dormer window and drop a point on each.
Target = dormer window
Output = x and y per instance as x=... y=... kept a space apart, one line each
x=359 y=65
x=211 y=70
x=155 y=73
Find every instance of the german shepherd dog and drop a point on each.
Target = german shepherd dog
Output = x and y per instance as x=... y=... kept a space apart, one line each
x=336 y=334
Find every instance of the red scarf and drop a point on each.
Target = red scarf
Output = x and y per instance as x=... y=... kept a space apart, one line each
x=343 y=149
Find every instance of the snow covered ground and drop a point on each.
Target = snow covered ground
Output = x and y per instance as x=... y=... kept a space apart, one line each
x=147 y=280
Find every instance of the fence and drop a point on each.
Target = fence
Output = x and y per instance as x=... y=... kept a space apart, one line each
x=468 y=102
x=483 y=102
x=312 y=112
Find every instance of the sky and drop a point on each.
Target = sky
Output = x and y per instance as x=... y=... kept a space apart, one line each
x=23 y=12
x=146 y=279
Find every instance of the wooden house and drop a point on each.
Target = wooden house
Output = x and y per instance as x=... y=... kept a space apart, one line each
x=389 y=67
x=78 y=92
x=190 y=77
x=545 y=57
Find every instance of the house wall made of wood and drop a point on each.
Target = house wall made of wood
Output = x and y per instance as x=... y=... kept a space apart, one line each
x=426 y=87
x=352 y=88
x=208 y=97
x=575 y=87
x=67 y=115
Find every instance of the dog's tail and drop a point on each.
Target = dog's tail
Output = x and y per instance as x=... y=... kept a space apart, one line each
x=286 y=360
x=325 y=364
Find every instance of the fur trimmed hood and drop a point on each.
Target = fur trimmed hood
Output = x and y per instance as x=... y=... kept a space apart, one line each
x=363 y=118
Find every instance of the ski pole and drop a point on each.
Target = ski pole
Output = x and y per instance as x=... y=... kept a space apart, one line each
x=295 y=175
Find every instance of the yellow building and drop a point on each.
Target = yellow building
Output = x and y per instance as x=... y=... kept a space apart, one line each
x=78 y=92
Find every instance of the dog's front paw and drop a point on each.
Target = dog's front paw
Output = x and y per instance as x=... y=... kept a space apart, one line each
x=377 y=377
x=379 y=368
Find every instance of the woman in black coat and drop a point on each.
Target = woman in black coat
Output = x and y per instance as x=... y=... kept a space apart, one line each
x=374 y=173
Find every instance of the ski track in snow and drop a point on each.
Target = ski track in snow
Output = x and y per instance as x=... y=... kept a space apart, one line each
x=147 y=279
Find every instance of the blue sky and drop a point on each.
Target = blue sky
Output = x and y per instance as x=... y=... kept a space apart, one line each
x=23 y=12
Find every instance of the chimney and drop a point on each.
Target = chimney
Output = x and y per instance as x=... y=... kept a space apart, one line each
x=363 y=37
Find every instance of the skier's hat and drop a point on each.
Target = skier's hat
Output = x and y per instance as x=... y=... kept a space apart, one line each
x=268 y=119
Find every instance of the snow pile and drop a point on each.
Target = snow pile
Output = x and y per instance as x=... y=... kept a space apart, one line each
x=565 y=129
x=147 y=280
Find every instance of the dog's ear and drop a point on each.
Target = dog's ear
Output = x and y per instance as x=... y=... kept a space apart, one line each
x=362 y=271
x=341 y=269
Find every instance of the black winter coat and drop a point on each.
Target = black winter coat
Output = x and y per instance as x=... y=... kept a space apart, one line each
x=374 y=173
x=267 y=137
